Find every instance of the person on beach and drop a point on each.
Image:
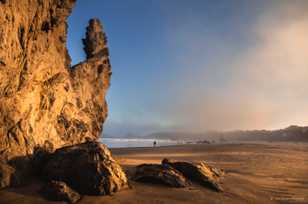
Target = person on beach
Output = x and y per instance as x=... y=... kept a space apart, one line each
x=154 y=143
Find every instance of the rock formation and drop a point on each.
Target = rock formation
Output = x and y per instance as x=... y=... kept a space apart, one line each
x=156 y=173
x=43 y=99
x=179 y=174
x=201 y=173
x=88 y=168
x=47 y=104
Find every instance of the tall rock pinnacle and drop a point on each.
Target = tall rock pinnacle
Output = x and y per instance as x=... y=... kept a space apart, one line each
x=43 y=100
x=95 y=41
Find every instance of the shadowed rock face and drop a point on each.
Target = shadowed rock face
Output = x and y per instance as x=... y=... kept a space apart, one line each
x=6 y=174
x=88 y=168
x=179 y=174
x=59 y=191
x=155 y=173
x=201 y=173
x=42 y=98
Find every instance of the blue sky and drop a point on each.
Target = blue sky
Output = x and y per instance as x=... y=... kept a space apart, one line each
x=200 y=65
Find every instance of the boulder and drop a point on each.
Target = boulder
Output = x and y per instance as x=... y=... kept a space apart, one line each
x=200 y=173
x=59 y=191
x=156 y=173
x=88 y=168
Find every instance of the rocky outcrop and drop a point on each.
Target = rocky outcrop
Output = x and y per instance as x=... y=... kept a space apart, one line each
x=88 y=168
x=156 y=173
x=201 y=173
x=179 y=174
x=59 y=191
x=43 y=99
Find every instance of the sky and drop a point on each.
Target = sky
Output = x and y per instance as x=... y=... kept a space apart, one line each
x=198 y=65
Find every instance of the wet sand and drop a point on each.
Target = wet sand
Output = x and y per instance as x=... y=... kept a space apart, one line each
x=255 y=173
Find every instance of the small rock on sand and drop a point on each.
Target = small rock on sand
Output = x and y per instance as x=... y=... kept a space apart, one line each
x=198 y=172
x=59 y=191
x=156 y=173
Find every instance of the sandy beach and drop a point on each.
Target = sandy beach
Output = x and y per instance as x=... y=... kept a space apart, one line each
x=255 y=173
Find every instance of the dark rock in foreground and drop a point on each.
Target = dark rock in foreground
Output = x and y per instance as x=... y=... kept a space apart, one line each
x=200 y=173
x=178 y=174
x=59 y=191
x=155 y=173
x=40 y=157
x=88 y=168
x=6 y=174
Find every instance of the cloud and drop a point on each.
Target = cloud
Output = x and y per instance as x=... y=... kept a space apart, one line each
x=263 y=85
x=246 y=68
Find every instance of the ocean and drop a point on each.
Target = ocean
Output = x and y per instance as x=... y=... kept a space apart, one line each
x=125 y=142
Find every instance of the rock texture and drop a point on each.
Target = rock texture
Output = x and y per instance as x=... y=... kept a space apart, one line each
x=6 y=174
x=59 y=191
x=201 y=173
x=88 y=168
x=155 y=173
x=43 y=99
x=179 y=174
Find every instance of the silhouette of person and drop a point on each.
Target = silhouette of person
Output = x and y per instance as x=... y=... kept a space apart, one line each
x=154 y=143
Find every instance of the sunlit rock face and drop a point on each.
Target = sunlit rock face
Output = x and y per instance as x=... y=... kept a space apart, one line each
x=42 y=98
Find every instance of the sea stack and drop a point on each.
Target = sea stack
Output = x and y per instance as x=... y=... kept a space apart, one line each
x=44 y=100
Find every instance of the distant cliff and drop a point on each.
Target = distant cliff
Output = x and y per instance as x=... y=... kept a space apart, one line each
x=290 y=134
x=43 y=99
